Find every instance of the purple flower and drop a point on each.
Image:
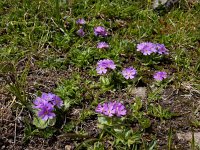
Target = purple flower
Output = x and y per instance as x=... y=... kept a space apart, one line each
x=102 y=63
x=41 y=101
x=101 y=70
x=45 y=105
x=108 y=63
x=146 y=48
x=80 y=21
x=37 y=102
x=120 y=109
x=161 y=49
x=160 y=75
x=109 y=109
x=112 y=108
x=80 y=32
x=46 y=111
x=129 y=73
x=57 y=101
x=102 y=66
x=100 y=31
x=47 y=96
x=102 y=45
x=100 y=108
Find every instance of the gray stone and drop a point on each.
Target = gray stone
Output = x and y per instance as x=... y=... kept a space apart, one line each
x=156 y=3
x=188 y=136
x=139 y=92
x=68 y=147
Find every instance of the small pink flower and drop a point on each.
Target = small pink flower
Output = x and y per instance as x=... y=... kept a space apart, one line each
x=129 y=73
x=102 y=45
x=160 y=75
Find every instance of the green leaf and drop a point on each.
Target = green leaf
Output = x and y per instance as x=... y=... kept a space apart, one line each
x=128 y=134
x=118 y=131
x=105 y=121
x=137 y=105
x=66 y=104
x=39 y=123
x=130 y=142
x=102 y=120
x=51 y=122
x=104 y=81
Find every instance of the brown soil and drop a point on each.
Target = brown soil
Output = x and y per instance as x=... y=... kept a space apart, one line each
x=183 y=102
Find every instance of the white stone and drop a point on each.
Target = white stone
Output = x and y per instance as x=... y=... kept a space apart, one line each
x=156 y=3
x=139 y=92
x=188 y=136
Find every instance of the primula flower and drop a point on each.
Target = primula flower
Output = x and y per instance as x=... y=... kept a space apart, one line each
x=99 y=108
x=45 y=105
x=102 y=63
x=46 y=111
x=109 y=63
x=80 y=21
x=146 y=48
x=101 y=70
x=47 y=96
x=102 y=45
x=102 y=66
x=80 y=32
x=160 y=75
x=129 y=73
x=111 y=108
x=100 y=31
x=57 y=101
x=38 y=102
x=120 y=109
x=161 y=49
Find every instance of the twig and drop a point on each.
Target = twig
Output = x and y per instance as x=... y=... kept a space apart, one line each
x=14 y=98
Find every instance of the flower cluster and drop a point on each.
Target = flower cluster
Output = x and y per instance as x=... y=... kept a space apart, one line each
x=129 y=73
x=160 y=75
x=46 y=104
x=102 y=45
x=80 y=32
x=80 y=21
x=161 y=49
x=111 y=108
x=104 y=64
x=100 y=31
x=146 y=48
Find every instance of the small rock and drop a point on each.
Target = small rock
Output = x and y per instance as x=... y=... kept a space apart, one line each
x=188 y=136
x=139 y=92
x=156 y=3
x=68 y=147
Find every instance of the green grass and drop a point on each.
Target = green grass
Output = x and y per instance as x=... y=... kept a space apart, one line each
x=41 y=35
